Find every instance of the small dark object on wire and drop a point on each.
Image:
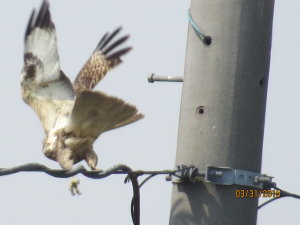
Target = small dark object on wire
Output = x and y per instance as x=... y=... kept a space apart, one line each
x=282 y=194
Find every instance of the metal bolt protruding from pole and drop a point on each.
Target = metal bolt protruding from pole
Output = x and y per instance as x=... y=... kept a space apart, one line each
x=152 y=77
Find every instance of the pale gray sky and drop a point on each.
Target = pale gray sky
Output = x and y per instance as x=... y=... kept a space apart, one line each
x=158 y=35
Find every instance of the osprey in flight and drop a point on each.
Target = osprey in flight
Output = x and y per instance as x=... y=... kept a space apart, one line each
x=73 y=115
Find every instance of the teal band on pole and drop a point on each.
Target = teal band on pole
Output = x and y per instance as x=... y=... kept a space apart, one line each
x=197 y=30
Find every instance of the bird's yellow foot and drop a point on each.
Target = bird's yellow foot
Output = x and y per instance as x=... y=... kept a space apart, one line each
x=93 y=167
x=74 y=186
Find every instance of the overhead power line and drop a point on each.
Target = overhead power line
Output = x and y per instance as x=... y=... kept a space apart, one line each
x=183 y=174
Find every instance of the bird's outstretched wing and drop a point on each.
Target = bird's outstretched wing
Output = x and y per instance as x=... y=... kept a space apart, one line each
x=102 y=112
x=101 y=61
x=44 y=85
x=41 y=53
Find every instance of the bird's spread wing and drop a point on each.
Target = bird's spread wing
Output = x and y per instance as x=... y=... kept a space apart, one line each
x=44 y=86
x=101 y=61
x=96 y=112
x=41 y=56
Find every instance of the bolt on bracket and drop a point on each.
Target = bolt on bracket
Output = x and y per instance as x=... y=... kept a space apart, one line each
x=152 y=77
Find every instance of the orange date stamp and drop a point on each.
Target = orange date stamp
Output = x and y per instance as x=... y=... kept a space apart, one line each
x=257 y=193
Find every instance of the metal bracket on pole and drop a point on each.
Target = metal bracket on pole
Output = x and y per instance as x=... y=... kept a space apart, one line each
x=224 y=176
x=229 y=176
x=152 y=77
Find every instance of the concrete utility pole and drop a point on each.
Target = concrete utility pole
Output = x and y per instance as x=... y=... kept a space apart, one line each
x=223 y=107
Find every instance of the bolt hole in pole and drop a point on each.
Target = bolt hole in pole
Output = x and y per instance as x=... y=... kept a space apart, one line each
x=207 y=40
x=200 y=110
x=262 y=82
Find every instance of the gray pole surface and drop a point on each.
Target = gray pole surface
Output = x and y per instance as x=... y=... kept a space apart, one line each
x=223 y=107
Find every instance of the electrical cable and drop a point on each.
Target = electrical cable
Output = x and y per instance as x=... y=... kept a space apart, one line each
x=132 y=207
x=182 y=173
x=282 y=194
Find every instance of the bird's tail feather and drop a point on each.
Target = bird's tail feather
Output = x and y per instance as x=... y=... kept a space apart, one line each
x=96 y=112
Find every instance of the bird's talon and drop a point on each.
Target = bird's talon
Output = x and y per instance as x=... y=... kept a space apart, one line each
x=78 y=191
x=93 y=167
x=74 y=186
